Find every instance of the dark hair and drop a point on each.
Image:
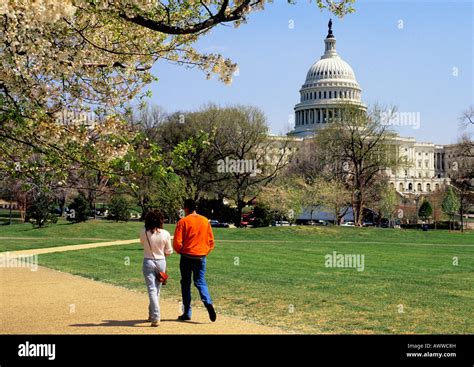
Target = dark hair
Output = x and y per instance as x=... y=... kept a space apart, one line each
x=190 y=204
x=153 y=219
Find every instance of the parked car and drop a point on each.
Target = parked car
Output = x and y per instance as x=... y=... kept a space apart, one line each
x=384 y=223
x=319 y=222
x=348 y=224
x=102 y=212
x=217 y=224
x=368 y=224
x=247 y=220
x=281 y=223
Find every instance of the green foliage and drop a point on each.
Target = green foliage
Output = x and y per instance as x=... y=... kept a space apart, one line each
x=119 y=209
x=450 y=204
x=425 y=211
x=41 y=210
x=263 y=216
x=215 y=209
x=388 y=202
x=81 y=209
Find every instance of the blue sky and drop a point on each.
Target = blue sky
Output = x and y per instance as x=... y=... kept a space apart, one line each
x=413 y=68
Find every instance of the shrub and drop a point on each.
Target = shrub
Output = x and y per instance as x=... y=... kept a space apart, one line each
x=81 y=209
x=425 y=211
x=41 y=210
x=119 y=209
x=263 y=216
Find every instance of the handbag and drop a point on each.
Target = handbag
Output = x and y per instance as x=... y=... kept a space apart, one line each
x=162 y=276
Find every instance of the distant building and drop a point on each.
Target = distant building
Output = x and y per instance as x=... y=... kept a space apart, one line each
x=331 y=84
x=6 y=204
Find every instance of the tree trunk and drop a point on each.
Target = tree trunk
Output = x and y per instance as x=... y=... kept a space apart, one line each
x=238 y=219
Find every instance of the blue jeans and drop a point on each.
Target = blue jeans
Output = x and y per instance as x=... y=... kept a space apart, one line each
x=151 y=270
x=196 y=268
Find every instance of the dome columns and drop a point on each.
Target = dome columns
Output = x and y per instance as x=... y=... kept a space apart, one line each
x=330 y=83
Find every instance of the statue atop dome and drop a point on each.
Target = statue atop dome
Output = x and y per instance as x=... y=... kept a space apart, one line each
x=330 y=34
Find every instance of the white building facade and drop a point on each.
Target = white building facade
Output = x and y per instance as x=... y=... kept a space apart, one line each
x=331 y=83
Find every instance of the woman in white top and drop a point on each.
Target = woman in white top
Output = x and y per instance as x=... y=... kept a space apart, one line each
x=156 y=244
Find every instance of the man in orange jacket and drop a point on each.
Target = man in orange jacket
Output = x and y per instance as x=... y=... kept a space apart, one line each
x=194 y=240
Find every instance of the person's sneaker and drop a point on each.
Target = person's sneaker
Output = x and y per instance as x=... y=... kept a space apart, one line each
x=212 y=312
x=155 y=323
x=184 y=317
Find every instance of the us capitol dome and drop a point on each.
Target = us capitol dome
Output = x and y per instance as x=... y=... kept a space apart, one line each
x=330 y=83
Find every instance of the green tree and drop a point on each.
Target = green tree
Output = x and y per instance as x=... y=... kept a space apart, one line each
x=450 y=204
x=356 y=144
x=284 y=198
x=387 y=203
x=80 y=209
x=334 y=196
x=263 y=216
x=248 y=158
x=119 y=209
x=69 y=55
x=426 y=211
x=41 y=210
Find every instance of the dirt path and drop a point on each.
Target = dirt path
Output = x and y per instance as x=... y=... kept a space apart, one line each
x=47 y=250
x=51 y=302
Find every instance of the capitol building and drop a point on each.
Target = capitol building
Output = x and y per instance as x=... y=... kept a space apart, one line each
x=331 y=84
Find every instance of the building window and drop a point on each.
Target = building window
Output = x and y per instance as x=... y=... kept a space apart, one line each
x=324 y=94
x=418 y=188
x=410 y=187
x=406 y=173
x=426 y=163
x=437 y=187
x=428 y=187
x=419 y=164
x=319 y=95
x=400 y=187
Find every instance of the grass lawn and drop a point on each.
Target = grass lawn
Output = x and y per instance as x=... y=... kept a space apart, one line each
x=5 y=216
x=24 y=236
x=277 y=276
